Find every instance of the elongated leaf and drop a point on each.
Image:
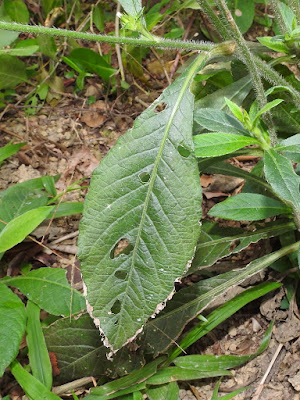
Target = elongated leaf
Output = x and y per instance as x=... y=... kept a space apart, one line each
x=226 y=396
x=112 y=389
x=126 y=394
x=214 y=363
x=12 y=326
x=248 y=207
x=171 y=374
x=34 y=389
x=216 y=242
x=218 y=121
x=80 y=352
x=37 y=351
x=221 y=314
x=17 y=229
x=147 y=191
x=271 y=43
x=281 y=176
x=65 y=209
x=266 y=108
x=185 y=305
x=26 y=51
x=218 y=143
x=49 y=289
x=12 y=71
x=9 y=150
x=169 y=391
x=236 y=92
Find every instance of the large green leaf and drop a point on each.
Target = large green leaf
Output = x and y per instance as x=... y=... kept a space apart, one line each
x=12 y=326
x=147 y=191
x=243 y=13
x=248 y=207
x=162 y=332
x=280 y=174
x=169 y=391
x=216 y=242
x=80 y=351
x=49 y=289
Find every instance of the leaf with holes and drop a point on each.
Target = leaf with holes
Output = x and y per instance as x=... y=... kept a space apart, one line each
x=144 y=195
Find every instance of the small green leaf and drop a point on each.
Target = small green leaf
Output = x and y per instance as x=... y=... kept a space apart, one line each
x=280 y=174
x=49 y=289
x=37 y=351
x=235 y=109
x=9 y=150
x=132 y=7
x=12 y=71
x=65 y=209
x=248 y=207
x=266 y=108
x=228 y=396
x=17 y=229
x=33 y=388
x=98 y=17
x=12 y=326
x=288 y=16
x=290 y=148
x=276 y=45
x=218 y=143
x=90 y=61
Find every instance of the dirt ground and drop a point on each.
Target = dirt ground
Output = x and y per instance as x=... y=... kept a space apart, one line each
x=70 y=139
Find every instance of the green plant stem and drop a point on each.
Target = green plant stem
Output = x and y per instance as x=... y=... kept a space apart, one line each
x=159 y=42
x=282 y=25
x=247 y=58
x=214 y=19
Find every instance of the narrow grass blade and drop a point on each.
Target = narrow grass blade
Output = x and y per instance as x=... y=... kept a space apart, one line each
x=38 y=354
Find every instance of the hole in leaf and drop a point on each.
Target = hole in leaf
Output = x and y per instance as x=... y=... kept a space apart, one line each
x=121 y=274
x=122 y=247
x=116 y=308
x=144 y=177
x=160 y=107
x=183 y=151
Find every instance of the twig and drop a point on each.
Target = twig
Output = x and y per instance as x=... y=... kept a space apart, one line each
x=71 y=386
x=262 y=382
x=118 y=48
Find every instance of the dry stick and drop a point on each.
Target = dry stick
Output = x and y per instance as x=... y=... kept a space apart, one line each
x=262 y=382
x=247 y=58
x=118 y=48
x=185 y=36
x=71 y=386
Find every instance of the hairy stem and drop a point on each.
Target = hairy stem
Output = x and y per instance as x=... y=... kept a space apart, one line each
x=247 y=58
x=214 y=19
x=157 y=42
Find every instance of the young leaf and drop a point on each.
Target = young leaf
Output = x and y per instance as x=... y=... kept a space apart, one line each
x=12 y=327
x=288 y=16
x=9 y=150
x=218 y=121
x=216 y=242
x=217 y=143
x=37 y=351
x=49 y=289
x=34 y=389
x=266 y=108
x=248 y=207
x=235 y=109
x=145 y=190
x=12 y=71
x=17 y=229
x=276 y=45
x=280 y=174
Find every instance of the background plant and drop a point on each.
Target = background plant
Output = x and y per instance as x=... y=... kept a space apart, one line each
x=147 y=191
